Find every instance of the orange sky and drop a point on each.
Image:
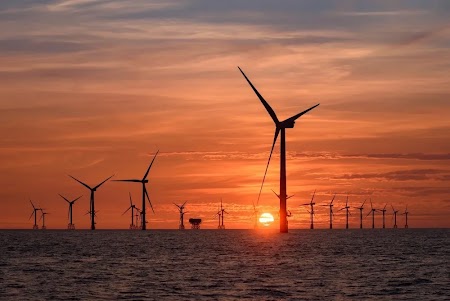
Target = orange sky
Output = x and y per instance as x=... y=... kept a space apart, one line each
x=93 y=88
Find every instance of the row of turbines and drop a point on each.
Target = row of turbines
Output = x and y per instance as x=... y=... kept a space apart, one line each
x=280 y=130
x=372 y=211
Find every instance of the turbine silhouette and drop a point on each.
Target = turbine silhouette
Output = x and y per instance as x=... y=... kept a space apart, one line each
x=384 y=212
x=92 y=199
x=280 y=127
x=71 y=225
x=132 y=207
x=331 y=211
x=35 y=226
x=360 y=214
x=406 y=216
x=347 y=213
x=372 y=210
x=311 y=213
x=394 y=212
x=180 y=209
x=143 y=181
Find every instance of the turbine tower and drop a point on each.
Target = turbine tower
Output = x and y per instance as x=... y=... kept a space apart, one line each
x=35 y=226
x=288 y=213
x=280 y=126
x=347 y=213
x=132 y=207
x=143 y=181
x=43 y=214
x=331 y=211
x=395 y=216
x=311 y=213
x=406 y=216
x=383 y=211
x=372 y=210
x=92 y=199
x=360 y=214
x=180 y=209
x=71 y=225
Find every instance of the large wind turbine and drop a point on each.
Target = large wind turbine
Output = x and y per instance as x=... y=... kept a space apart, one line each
x=360 y=214
x=181 y=210
x=92 y=200
x=280 y=126
x=346 y=212
x=144 y=192
x=35 y=226
x=71 y=225
x=395 y=216
x=311 y=213
x=331 y=211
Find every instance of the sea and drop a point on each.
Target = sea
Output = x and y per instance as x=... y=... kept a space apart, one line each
x=367 y=264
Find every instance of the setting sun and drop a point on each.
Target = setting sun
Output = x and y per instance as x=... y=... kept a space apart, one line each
x=266 y=219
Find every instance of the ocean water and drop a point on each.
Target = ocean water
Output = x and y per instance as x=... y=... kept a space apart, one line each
x=390 y=264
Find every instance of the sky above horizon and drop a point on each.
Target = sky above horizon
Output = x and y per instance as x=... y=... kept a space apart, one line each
x=93 y=88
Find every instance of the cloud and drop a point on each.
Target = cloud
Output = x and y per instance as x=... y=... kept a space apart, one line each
x=399 y=175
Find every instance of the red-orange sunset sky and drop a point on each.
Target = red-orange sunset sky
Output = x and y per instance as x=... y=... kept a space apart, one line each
x=93 y=88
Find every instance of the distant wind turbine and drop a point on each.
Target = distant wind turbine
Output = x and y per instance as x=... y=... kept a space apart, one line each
x=331 y=210
x=347 y=213
x=383 y=211
x=92 y=200
x=360 y=214
x=221 y=213
x=132 y=207
x=71 y=225
x=43 y=214
x=143 y=181
x=372 y=210
x=280 y=126
x=311 y=213
x=406 y=216
x=35 y=226
x=181 y=210
x=394 y=212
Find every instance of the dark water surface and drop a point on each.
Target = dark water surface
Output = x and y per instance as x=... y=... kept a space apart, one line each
x=391 y=264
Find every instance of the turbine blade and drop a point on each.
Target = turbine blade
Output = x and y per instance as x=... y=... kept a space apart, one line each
x=363 y=203
x=126 y=210
x=177 y=205
x=333 y=199
x=263 y=101
x=313 y=196
x=131 y=180
x=85 y=185
x=131 y=202
x=392 y=208
x=32 y=204
x=73 y=202
x=289 y=196
x=368 y=213
x=277 y=131
x=293 y=118
x=148 y=198
x=184 y=204
x=103 y=182
x=275 y=193
x=64 y=198
x=150 y=166
x=31 y=215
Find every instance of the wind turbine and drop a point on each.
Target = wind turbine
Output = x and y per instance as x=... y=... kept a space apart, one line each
x=311 y=203
x=383 y=211
x=144 y=192
x=331 y=211
x=92 y=200
x=71 y=225
x=395 y=216
x=347 y=213
x=406 y=216
x=221 y=213
x=180 y=209
x=280 y=126
x=132 y=207
x=372 y=210
x=43 y=214
x=35 y=226
x=360 y=214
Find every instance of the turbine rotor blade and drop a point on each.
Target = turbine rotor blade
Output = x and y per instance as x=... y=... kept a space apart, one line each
x=73 y=202
x=103 y=182
x=131 y=202
x=150 y=166
x=126 y=210
x=128 y=180
x=148 y=198
x=293 y=118
x=64 y=198
x=263 y=101
x=86 y=185
x=277 y=131
x=31 y=215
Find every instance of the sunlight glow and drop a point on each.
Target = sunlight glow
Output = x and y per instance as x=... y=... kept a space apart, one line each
x=266 y=219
